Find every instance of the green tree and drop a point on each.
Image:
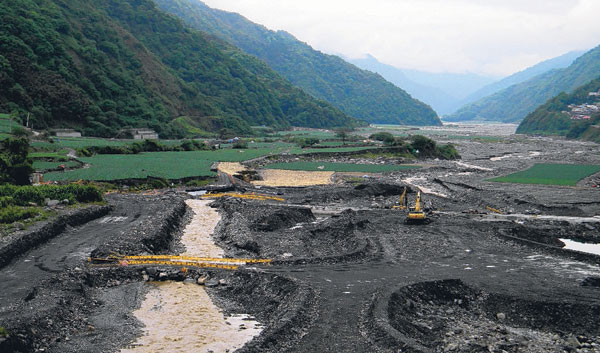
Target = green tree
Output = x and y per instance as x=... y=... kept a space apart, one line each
x=15 y=167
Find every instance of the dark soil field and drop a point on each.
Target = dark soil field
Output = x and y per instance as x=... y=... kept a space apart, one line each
x=348 y=275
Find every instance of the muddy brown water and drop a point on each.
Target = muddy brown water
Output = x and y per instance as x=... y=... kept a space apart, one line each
x=181 y=317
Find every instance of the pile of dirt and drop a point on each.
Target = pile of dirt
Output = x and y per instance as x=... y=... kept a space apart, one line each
x=361 y=191
x=289 y=233
x=282 y=218
x=449 y=315
x=152 y=236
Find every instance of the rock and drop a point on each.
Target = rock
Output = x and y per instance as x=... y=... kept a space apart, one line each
x=162 y=275
x=211 y=283
x=572 y=343
x=222 y=282
x=202 y=280
x=19 y=225
x=501 y=316
x=52 y=203
x=450 y=347
x=65 y=202
x=145 y=277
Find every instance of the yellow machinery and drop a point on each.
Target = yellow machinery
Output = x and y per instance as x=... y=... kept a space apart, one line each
x=401 y=204
x=176 y=261
x=416 y=215
x=251 y=196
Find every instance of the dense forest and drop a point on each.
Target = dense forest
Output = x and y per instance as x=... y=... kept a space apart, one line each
x=552 y=118
x=359 y=93
x=515 y=102
x=102 y=65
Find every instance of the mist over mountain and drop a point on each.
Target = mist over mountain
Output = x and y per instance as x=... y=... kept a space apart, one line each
x=512 y=104
x=558 y=62
x=444 y=92
x=358 y=93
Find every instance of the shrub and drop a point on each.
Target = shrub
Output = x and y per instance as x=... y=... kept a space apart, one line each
x=6 y=201
x=12 y=214
x=23 y=195
x=240 y=145
x=382 y=136
x=448 y=152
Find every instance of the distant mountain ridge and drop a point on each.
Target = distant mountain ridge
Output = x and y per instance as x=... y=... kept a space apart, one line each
x=512 y=104
x=558 y=62
x=358 y=93
x=444 y=92
x=103 y=65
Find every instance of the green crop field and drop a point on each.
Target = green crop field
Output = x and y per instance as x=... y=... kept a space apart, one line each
x=6 y=125
x=168 y=165
x=299 y=150
x=340 y=167
x=308 y=133
x=45 y=165
x=551 y=174
x=171 y=165
x=79 y=142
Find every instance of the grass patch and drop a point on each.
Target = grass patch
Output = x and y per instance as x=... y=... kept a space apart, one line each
x=54 y=154
x=3 y=332
x=551 y=174
x=7 y=124
x=340 y=167
x=45 y=165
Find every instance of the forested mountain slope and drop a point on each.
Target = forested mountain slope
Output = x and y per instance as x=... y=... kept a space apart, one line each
x=575 y=115
x=359 y=93
x=558 y=62
x=103 y=65
x=515 y=102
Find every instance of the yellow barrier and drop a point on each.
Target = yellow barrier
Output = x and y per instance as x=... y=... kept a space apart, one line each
x=175 y=263
x=175 y=260
x=244 y=196
x=193 y=258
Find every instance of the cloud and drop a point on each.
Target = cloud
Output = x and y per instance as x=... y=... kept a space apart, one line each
x=495 y=37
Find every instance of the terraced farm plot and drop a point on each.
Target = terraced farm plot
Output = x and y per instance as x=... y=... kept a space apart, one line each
x=45 y=165
x=80 y=142
x=6 y=126
x=551 y=174
x=340 y=167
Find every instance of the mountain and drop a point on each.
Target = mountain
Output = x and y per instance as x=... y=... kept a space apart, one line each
x=358 y=93
x=442 y=91
x=575 y=115
x=555 y=63
x=512 y=104
x=102 y=65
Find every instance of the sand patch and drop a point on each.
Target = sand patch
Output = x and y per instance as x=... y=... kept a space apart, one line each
x=230 y=168
x=278 y=177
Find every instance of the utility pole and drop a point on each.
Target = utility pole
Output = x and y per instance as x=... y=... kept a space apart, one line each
x=27 y=123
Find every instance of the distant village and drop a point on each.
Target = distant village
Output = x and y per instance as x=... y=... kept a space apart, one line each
x=586 y=110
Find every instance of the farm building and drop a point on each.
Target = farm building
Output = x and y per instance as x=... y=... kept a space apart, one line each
x=144 y=134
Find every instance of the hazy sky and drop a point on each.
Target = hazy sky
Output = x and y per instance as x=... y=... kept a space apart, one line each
x=495 y=37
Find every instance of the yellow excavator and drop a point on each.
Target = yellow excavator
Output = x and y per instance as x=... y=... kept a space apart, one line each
x=417 y=215
x=402 y=202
